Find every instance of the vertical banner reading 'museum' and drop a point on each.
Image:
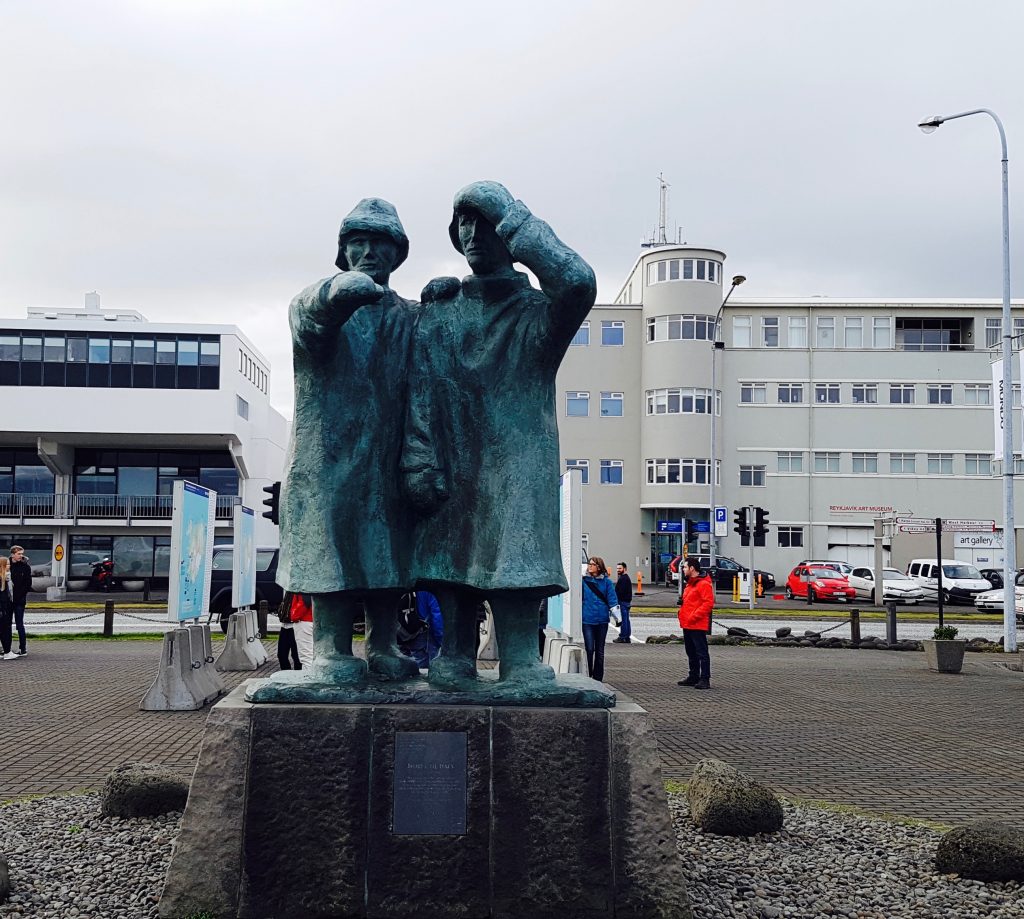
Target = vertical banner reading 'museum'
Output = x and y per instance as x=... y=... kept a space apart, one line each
x=999 y=405
x=243 y=564
x=191 y=551
x=565 y=612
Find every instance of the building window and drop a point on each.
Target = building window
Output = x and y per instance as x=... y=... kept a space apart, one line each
x=753 y=476
x=865 y=463
x=798 y=331
x=242 y=407
x=791 y=461
x=901 y=394
x=940 y=394
x=826 y=462
x=826 y=392
x=770 y=331
x=978 y=464
x=791 y=393
x=583 y=466
x=681 y=327
x=977 y=394
x=930 y=334
x=1015 y=395
x=685 y=269
x=940 y=464
x=673 y=471
x=613 y=332
x=881 y=332
x=825 y=336
x=902 y=463
x=791 y=537
x=611 y=405
x=582 y=336
x=865 y=393
x=993 y=332
x=755 y=393
x=577 y=404
x=611 y=472
x=853 y=332
x=741 y=331
x=687 y=400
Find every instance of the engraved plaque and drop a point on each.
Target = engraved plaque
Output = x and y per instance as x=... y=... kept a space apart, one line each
x=430 y=784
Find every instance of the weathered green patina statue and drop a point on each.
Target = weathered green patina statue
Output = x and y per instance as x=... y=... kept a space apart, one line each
x=480 y=461
x=344 y=524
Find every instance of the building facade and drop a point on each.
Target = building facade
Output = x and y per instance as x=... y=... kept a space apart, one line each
x=830 y=414
x=104 y=411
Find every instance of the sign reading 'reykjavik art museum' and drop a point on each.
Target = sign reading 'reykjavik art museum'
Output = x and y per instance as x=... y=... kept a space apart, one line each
x=243 y=560
x=565 y=611
x=192 y=523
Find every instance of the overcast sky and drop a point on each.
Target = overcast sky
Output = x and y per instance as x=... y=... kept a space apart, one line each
x=192 y=158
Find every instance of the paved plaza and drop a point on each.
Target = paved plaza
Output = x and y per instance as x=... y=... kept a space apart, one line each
x=866 y=728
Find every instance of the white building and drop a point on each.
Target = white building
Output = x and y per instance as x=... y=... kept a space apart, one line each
x=830 y=412
x=103 y=411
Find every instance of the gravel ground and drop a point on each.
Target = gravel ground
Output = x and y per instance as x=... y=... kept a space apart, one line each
x=825 y=863
x=68 y=862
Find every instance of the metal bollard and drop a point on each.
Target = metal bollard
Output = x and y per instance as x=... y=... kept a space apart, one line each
x=890 y=623
x=145 y=590
x=261 y=618
x=108 y=619
x=855 y=625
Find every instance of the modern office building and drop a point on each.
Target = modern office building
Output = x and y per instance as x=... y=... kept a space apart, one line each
x=831 y=412
x=103 y=412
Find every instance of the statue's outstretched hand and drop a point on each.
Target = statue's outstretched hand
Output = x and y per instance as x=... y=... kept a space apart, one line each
x=349 y=290
x=426 y=489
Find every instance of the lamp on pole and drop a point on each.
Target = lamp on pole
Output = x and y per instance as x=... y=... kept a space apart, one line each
x=716 y=346
x=1009 y=535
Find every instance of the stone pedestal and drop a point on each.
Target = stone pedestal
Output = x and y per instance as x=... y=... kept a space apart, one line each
x=292 y=811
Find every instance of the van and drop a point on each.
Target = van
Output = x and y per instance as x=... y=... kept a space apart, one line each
x=961 y=581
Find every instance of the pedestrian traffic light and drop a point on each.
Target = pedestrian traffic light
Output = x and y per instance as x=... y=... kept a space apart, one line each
x=742 y=528
x=760 y=522
x=691 y=530
x=272 y=502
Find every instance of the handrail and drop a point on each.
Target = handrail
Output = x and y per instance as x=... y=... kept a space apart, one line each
x=71 y=506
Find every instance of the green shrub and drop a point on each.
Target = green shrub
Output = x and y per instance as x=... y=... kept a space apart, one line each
x=945 y=632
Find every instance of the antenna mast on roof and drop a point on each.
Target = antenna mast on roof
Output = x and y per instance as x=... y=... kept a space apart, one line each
x=662 y=210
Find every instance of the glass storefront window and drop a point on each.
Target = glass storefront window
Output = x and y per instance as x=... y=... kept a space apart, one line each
x=33 y=480
x=86 y=551
x=133 y=556
x=136 y=480
x=222 y=481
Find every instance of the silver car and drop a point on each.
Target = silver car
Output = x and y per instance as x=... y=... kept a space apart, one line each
x=896 y=586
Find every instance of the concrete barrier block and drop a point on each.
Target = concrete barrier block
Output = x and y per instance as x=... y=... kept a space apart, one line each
x=202 y=662
x=571 y=659
x=176 y=687
x=236 y=655
x=552 y=648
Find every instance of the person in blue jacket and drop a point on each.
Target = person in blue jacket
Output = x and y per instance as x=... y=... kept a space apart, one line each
x=598 y=600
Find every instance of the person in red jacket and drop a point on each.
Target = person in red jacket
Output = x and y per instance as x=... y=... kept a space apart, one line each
x=695 y=621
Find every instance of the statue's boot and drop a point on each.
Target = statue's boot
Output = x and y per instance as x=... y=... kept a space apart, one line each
x=452 y=671
x=515 y=627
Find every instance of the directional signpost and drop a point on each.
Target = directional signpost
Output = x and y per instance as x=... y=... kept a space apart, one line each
x=938 y=526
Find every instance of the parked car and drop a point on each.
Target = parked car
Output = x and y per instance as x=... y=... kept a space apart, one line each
x=896 y=586
x=961 y=581
x=844 y=568
x=993 y=599
x=994 y=576
x=726 y=569
x=818 y=582
x=220 y=582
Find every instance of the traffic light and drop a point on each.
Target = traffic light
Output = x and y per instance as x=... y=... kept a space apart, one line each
x=760 y=522
x=740 y=516
x=691 y=530
x=272 y=502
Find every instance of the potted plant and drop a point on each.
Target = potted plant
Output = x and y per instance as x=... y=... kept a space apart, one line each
x=944 y=651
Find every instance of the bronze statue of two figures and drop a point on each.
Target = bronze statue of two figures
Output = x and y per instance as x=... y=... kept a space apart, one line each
x=424 y=452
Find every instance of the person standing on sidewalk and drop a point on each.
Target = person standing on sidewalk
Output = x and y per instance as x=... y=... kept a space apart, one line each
x=624 y=591
x=695 y=621
x=6 y=609
x=21 y=582
x=598 y=602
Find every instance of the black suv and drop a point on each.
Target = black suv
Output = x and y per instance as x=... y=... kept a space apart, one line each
x=220 y=582
x=726 y=569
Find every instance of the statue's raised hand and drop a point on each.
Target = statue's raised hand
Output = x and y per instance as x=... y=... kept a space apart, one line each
x=491 y=199
x=344 y=294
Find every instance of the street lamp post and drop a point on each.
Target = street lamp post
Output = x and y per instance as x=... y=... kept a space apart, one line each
x=1009 y=534
x=716 y=346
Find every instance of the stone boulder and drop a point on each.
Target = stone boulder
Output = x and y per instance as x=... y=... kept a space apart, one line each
x=783 y=631
x=142 y=790
x=5 y=879
x=737 y=631
x=985 y=850
x=725 y=802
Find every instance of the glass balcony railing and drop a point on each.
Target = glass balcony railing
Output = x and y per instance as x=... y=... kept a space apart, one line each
x=119 y=508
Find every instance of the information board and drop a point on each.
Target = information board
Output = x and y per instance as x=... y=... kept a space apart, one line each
x=243 y=559
x=192 y=519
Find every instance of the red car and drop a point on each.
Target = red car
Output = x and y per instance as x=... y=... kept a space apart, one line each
x=822 y=583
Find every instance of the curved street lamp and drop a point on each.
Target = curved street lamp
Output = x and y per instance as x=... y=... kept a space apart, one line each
x=929 y=126
x=716 y=346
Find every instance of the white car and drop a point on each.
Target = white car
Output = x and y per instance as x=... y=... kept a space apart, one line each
x=896 y=585
x=993 y=600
